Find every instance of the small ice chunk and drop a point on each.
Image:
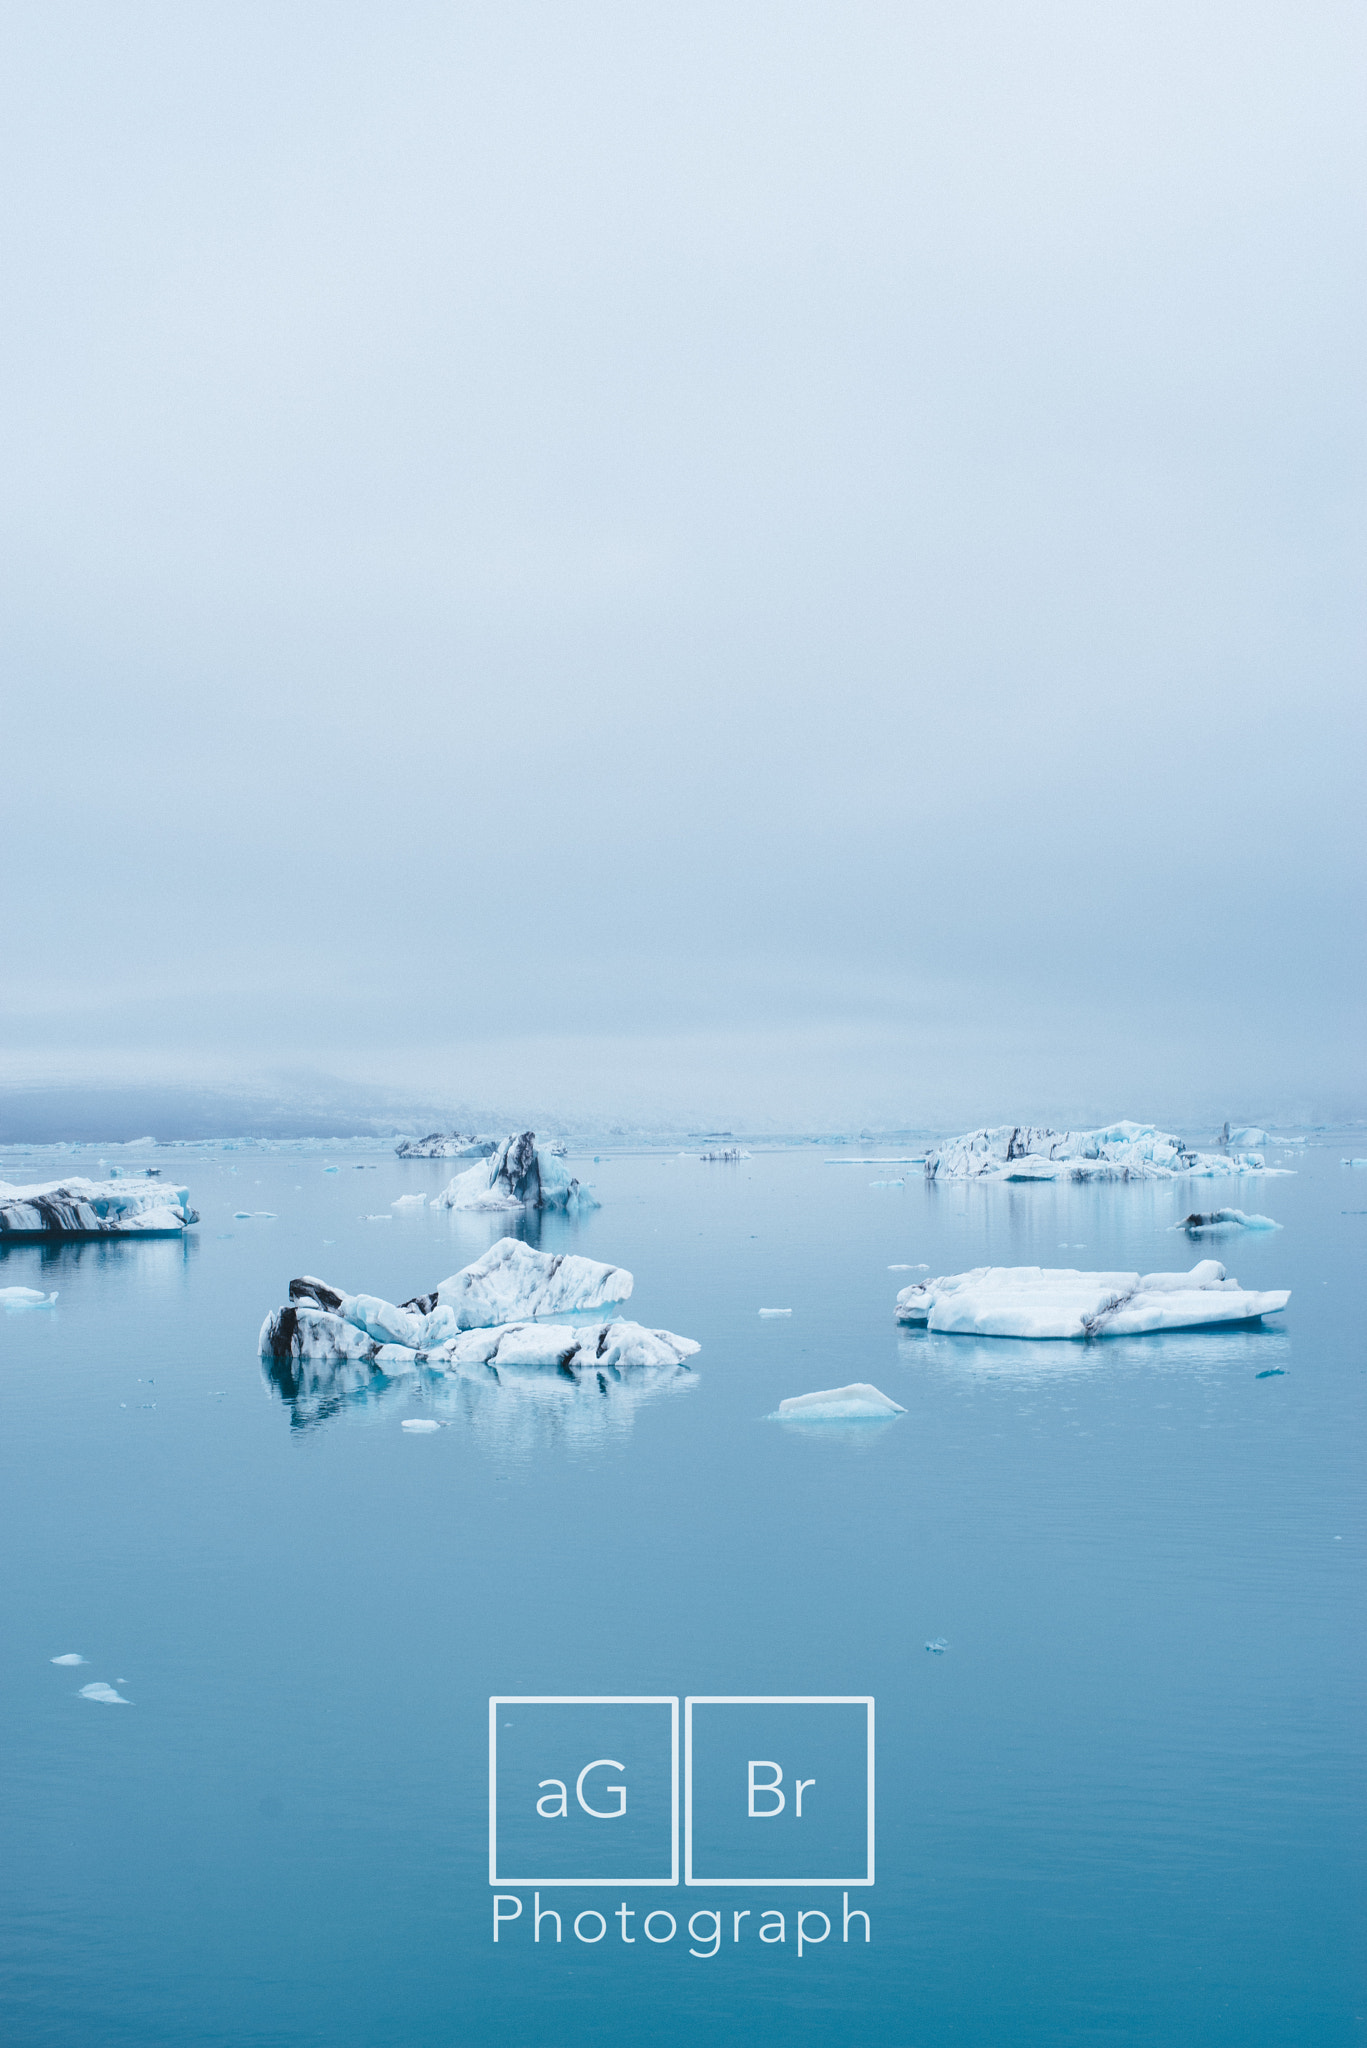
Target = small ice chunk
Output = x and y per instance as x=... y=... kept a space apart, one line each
x=857 y=1402
x=1355 y=1162
x=775 y=1311
x=1274 y=1372
x=330 y=1169
x=408 y=1202
x=419 y=1425
x=25 y=1297
x=938 y=1647
x=105 y=1694
x=1224 y=1219
x=71 y=1657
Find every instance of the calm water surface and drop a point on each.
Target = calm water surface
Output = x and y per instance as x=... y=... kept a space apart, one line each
x=1125 y=1805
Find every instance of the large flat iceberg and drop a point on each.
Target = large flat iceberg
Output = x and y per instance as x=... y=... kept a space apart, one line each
x=1123 y=1151
x=95 y=1208
x=1040 y=1301
x=447 y=1145
x=520 y=1174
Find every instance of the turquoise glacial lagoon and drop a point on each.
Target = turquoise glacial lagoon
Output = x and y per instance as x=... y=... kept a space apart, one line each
x=1122 y=1802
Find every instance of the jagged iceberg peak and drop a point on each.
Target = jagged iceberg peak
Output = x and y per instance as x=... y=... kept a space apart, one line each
x=95 y=1208
x=1042 y=1301
x=326 y=1346
x=520 y=1174
x=1123 y=1151
x=511 y=1283
x=447 y=1145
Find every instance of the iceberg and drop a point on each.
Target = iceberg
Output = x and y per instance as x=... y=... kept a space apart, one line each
x=1224 y=1219
x=95 y=1208
x=26 y=1297
x=447 y=1145
x=105 y=1694
x=408 y=1201
x=1123 y=1151
x=519 y=1174
x=859 y=1402
x=1045 y=1302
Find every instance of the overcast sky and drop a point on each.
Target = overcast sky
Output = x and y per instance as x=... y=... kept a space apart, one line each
x=792 y=563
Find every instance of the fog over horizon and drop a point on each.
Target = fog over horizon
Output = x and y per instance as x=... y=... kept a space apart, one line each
x=770 y=567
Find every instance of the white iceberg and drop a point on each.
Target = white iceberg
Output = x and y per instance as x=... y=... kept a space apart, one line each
x=1045 y=1302
x=419 y=1425
x=1224 y=1219
x=1123 y=1151
x=408 y=1201
x=520 y=1174
x=26 y=1297
x=510 y=1283
x=105 y=1694
x=859 y=1402
x=71 y=1657
x=1244 y=1134
x=447 y=1145
x=95 y=1208
x=775 y=1311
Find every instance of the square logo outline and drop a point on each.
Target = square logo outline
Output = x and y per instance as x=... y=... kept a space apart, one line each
x=779 y=1699
x=585 y=1699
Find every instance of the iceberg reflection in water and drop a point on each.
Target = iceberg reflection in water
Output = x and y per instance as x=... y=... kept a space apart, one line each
x=509 y=1407
x=1213 y=1351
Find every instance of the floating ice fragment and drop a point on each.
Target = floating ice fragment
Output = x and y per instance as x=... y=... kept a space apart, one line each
x=775 y=1311
x=447 y=1145
x=887 y=1183
x=105 y=1694
x=94 y=1208
x=919 y=1267
x=938 y=1647
x=1123 y=1151
x=418 y=1425
x=385 y=1218
x=1355 y=1162
x=1274 y=1372
x=330 y=1169
x=71 y=1657
x=858 y=1402
x=1224 y=1219
x=26 y=1297
x=408 y=1202
x=1049 y=1302
x=242 y=1215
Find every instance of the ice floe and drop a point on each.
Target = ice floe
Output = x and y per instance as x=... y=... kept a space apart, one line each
x=775 y=1311
x=105 y=1694
x=26 y=1297
x=1123 y=1151
x=70 y=1657
x=481 y=1323
x=519 y=1174
x=937 y=1646
x=447 y=1145
x=1046 y=1302
x=859 y=1402
x=408 y=1202
x=95 y=1208
x=419 y=1425
x=1224 y=1219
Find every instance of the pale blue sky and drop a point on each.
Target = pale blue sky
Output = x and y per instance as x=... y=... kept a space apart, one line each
x=791 y=563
